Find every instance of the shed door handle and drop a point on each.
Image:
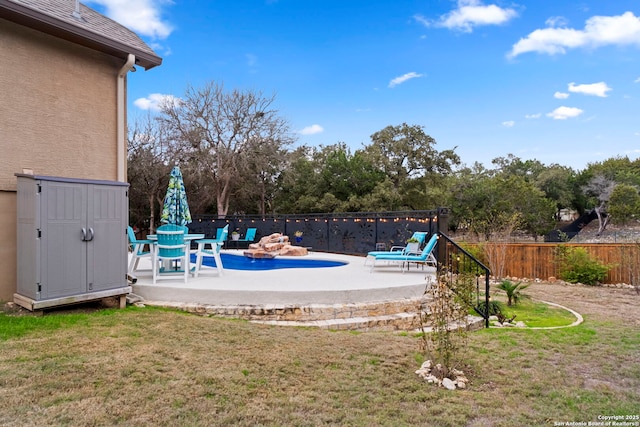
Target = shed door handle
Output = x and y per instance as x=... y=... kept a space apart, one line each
x=84 y=234
x=90 y=234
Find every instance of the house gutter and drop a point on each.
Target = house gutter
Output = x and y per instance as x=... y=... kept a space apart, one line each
x=121 y=118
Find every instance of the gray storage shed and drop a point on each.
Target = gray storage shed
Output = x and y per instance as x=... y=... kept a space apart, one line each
x=71 y=241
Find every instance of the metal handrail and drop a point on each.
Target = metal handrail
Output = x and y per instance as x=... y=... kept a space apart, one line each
x=445 y=263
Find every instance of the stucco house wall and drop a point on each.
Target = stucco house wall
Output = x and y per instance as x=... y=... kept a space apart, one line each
x=57 y=117
x=58 y=105
x=58 y=113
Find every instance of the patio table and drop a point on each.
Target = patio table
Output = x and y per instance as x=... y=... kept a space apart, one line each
x=187 y=238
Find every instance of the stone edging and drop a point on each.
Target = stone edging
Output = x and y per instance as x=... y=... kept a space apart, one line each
x=579 y=318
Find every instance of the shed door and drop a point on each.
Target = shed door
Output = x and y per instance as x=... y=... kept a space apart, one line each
x=107 y=251
x=63 y=257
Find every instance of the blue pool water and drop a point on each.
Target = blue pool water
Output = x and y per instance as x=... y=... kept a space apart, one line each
x=238 y=262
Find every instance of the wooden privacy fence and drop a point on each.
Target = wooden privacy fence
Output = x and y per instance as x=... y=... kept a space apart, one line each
x=537 y=260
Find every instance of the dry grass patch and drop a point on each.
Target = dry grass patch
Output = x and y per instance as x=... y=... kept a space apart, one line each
x=159 y=367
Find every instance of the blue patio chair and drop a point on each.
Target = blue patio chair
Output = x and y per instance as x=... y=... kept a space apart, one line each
x=211 y=248
x=170 y=246
x=249 y=237
x=420 y=236
x=425 y=257
x=137 y=249
x=219 y=232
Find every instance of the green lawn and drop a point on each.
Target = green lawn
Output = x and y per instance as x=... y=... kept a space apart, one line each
x=148 y=366
x=538 y=314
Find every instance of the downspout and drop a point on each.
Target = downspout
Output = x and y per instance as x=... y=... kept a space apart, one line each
x=121 y=117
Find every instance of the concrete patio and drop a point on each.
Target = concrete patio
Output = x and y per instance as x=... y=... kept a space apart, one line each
x=345 y=297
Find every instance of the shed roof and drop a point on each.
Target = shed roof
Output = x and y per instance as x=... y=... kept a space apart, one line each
x=90 y=28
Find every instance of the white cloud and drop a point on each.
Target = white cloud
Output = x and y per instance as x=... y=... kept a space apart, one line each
x=312 y=130
x=140 y=16
x=637 y=80
x=509 y=124
x=596 y=89
x=556 y=21
x=561 y=95
x=166 y=50
x=533 y=116
x=399 y=80
x=421 y=19
x=563 y=113
x=598 y=31
x=470 y=14
x=155 y=101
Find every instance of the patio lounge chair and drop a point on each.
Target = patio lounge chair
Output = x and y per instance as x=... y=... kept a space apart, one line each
x=426 y=256
x=397 y=250
x=213 y=250
x=170 y=246
x=137 y=249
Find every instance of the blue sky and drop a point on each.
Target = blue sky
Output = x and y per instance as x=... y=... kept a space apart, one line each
x=556 y=81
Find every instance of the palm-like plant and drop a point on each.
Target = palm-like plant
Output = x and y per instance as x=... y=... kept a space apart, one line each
x=513 y=291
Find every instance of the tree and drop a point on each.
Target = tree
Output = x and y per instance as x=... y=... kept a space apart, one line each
x=257 y=183
x=599 y=179
x=219 y=131
x=297 y=183
x=347 y=176
x=598 y=191
x=493 y=206
x=150 y=159
x=513 y=165
x=618 y=169
x=405 y=152
x=558 y=184
x=624 y=203
x=384 y=197
x=330 y=179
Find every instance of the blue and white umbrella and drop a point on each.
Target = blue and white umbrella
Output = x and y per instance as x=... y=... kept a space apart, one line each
x=175 y=209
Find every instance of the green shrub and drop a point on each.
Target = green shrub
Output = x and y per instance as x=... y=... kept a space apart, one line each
x=475 y=249
x=462 y=263
x=513 y=291
x=495 y=307
x=577 y=266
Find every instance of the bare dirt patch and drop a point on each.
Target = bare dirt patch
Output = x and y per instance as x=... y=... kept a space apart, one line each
x=600 y=303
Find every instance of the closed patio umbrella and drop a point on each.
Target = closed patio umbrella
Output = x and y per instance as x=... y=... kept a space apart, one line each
x=175 y=209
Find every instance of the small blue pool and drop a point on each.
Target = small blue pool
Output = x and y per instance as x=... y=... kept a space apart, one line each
x=238 y=262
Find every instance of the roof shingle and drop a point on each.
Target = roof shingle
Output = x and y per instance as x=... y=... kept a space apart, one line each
x=93 y=29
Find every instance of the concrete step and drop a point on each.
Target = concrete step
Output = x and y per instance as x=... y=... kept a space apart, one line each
x=300 y=312
x=389 y=322
x=394 y=322
x=400 y=315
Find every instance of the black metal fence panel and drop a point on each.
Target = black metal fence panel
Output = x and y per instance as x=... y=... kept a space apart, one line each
x=354 y=233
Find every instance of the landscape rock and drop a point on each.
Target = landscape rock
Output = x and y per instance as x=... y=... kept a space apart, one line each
x=273 y=245
x=448 y=384
x=430 y=374
x=290 y=250
x=431 y=379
